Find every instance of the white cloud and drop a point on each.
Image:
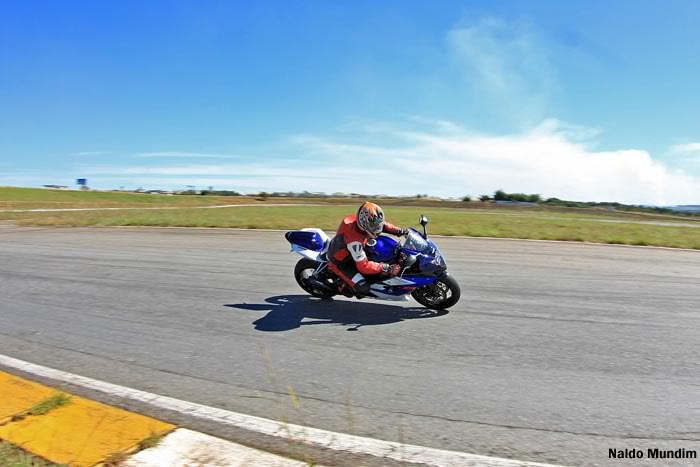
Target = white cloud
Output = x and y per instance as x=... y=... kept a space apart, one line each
x=186 y=155
x=291 y=169
x=685 y=157
x=509 y=63
x=248 y=177
x=552 y=159
x=440 y=158
x=687 y=148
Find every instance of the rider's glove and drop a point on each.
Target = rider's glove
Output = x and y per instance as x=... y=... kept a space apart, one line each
x=391 y=269
x=402 y=232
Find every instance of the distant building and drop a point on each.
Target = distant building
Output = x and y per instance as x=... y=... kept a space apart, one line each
x=56 y=187
x=159 y=192
x=691 y=208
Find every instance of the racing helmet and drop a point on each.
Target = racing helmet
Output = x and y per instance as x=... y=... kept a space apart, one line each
x=370 y=218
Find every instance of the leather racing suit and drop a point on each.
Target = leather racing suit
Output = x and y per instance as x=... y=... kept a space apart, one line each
x=347 y=257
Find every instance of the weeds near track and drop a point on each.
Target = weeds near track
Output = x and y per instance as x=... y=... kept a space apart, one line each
x=13 y=456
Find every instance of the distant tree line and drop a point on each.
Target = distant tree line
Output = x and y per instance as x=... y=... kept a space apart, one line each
x=215 y=193
x=500 y=195
x=611 y=205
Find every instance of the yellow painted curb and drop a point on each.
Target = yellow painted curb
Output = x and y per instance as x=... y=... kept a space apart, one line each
x=17 y=395
x=82 y=433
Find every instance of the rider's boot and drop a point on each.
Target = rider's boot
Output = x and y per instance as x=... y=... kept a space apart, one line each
x=361 y=289
x=346 y=290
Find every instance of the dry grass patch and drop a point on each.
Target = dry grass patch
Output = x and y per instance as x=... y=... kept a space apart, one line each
x=504 y=224
x=13 y=456
x=446 y=217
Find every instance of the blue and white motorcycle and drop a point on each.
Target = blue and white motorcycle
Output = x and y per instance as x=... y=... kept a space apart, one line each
x=423 y=269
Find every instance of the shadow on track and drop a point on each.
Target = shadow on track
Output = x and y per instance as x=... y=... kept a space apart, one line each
x=288 y=312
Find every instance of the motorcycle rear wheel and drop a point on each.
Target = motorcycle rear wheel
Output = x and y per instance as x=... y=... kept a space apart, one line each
x=302 y=272
x=440 y=295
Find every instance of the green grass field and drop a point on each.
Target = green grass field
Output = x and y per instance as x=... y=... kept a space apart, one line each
x=471 y=219
x=34 y=198
x=13 y=456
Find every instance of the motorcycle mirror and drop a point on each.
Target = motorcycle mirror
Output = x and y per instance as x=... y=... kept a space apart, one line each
x=423 y=221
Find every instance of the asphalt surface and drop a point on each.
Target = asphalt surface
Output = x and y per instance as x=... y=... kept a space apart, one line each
x=557 y=352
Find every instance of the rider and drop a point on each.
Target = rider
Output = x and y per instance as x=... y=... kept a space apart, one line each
x=346 y=252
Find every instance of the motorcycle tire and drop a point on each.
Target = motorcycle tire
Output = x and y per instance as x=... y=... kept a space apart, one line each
x=440 y=295
x=303 y=269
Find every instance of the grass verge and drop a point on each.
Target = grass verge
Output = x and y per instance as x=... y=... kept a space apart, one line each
x=36 y=198
x=150 y=442
x=447 y=217
x=12 y=456
x=49 y=404
x=572 y=226
x=45 y=406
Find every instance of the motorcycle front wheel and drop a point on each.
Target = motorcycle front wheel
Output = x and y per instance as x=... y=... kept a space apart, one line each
x=440 y=295
x=303 y=271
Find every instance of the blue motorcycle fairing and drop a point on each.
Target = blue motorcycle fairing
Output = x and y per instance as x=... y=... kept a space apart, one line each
x=306 y=239
x=417 y=282
x=383 y=249
x=420 y=281
x=427 y=264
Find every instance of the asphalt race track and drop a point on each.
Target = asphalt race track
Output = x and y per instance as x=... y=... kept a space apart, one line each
x=557 y=352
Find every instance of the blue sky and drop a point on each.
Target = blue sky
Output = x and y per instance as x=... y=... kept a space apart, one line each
x=587 y=100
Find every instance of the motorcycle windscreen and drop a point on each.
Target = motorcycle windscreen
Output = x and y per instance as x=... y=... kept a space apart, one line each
x=416 y=242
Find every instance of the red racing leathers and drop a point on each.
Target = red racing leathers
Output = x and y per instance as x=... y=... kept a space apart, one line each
x=346 y=251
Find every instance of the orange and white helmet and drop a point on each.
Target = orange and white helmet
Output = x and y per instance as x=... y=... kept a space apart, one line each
x=370 y=218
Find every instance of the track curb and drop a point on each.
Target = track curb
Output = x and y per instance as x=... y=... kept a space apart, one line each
x=317 y=438
x=70 y=430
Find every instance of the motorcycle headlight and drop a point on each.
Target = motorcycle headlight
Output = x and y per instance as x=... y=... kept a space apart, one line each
x=439 y=260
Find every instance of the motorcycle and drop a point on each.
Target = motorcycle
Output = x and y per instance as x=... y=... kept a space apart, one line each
x=423 y=273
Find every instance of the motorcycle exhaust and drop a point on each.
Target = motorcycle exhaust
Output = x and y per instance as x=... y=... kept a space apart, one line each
x=320 y=285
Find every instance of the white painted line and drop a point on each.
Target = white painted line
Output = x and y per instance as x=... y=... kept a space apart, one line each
x=311 y=436
x=186 y=448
